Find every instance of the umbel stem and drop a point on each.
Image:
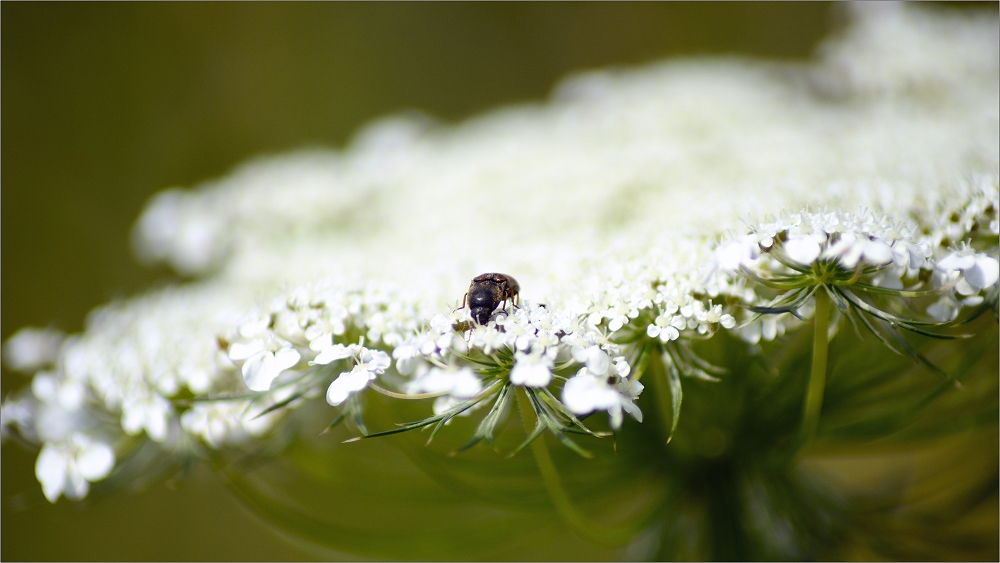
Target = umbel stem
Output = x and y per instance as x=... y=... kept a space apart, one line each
x=817 y=375
x=553 y=484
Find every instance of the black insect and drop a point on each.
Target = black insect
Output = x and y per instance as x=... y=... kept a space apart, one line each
x=487 y=291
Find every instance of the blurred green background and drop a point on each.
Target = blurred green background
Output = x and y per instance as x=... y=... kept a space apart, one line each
x=104 y=104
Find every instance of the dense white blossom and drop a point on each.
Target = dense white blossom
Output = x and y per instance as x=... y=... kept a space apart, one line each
x=633 y=207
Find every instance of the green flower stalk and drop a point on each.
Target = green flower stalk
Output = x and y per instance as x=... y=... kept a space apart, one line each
x=817 y=374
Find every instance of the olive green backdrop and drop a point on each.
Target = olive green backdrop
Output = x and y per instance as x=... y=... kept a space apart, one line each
x=104 y=104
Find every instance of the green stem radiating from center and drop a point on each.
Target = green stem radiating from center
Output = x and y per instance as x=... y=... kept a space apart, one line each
x=817 y=375
x=611 y=537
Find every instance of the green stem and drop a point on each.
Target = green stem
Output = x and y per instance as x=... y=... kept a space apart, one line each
x=612 y=537
x=665 y=398
x=817 y=375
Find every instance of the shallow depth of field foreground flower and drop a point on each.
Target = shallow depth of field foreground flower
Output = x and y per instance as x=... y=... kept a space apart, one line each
x=756 y=319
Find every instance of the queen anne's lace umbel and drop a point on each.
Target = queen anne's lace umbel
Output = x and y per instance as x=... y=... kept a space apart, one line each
x=638 y=209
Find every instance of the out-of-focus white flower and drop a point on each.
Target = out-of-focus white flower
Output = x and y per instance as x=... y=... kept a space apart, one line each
x=17 y=414
x=767 y=327
x=225 y=422
x=979 y=271
x=68 y=468
x=263 y=360
x=945 y=309
x=151 y=413
x=585 y=393
x=31 y=349
x=802 y=250
x=175 y=227
x=460 y=384
x=730 y=257
x=532 y=369
x=849 y=249
x=65 y=392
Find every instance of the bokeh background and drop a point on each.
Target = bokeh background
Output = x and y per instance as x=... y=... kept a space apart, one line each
x=103 y=104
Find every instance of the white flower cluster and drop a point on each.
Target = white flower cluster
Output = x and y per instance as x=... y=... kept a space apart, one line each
x=531 y=342
x=874 y=248
x=665 y=292
x=285 y=345
x=605 y=202
x=119 y=379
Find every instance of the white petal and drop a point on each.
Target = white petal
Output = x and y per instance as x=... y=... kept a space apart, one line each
x=322 y=342
x=76 y=485
x=32 y=348
x=530 y=373
x=578 y=393
x=253 y=328
x=467 y=384
x=131 y=421
x=461 y=383
x=802 y=250
x=944 y=310
x=238 y=351
x=259 y=371
x=337 y=392
x=615 y=416
x=973 y=301
x=379 y=360
x=669 y=333
x=877 y=252
x=96 y=461
x=731 y=256
x=635 y=389
x=888 y=280
x=50 y=470
x=963 y=287
x=156 y=420
x=331 y=354
x=585 y=393
x=347 y=383
x=751 y=332
x=71 y=395
x=769 y=327
x=436 y=380
x=598 y=361
x=358 y=379
x=984 y=273
x=444 y=403
x=44 y=386
x=285 y=358
x=632 y=409
x=956 y=261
